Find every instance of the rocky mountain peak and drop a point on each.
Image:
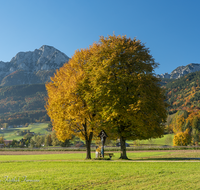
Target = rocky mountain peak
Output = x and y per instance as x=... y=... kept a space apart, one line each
x=45 y=47
x=181 y=71
x=46 y=58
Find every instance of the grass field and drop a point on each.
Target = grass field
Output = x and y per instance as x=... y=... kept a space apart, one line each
x=71 y=171
x=165 y=140
x=9 y=134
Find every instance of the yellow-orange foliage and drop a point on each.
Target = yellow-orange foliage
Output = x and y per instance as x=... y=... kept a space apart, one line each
x=1 y=140
x=182 y=138
x=177 y=123
x=65 y=106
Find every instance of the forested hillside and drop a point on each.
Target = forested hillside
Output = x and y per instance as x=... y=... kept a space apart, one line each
x=183 y=97
x=23 y=103
x=184 y=93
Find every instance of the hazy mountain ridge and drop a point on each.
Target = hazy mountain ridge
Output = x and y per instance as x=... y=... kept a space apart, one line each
x=181 y=71
x=32 y=67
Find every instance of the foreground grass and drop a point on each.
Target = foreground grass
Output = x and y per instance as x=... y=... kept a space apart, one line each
x=71 y=171
x=99 y=175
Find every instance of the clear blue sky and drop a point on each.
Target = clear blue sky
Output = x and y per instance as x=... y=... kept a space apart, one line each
x=169 y=28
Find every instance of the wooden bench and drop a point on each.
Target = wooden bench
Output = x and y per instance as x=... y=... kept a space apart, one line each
x=109 y=154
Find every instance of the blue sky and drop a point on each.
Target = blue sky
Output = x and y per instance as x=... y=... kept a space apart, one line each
x=169 y=28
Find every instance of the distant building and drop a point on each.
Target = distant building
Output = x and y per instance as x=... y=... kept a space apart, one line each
x=7 y=142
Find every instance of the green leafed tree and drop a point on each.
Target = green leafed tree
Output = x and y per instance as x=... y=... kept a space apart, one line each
x=125 y=91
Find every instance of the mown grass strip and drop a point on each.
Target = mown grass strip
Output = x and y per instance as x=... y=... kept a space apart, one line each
x=163 y=156
x=74 y=156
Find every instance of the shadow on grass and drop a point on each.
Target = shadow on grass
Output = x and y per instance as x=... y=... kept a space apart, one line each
x=163 y=159
x=150 y=159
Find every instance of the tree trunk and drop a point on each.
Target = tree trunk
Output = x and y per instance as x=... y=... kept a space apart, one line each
x=88 y=144
x=123 y=148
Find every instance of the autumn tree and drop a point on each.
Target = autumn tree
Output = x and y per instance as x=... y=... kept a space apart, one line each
x=195 y=122
x=195 y=136
x=66 y=106
x=195 y=131
x=48 y=140
x=2 y=140
x=178 y=122
x=125 y=91
x=182 y=138
x=54 y=139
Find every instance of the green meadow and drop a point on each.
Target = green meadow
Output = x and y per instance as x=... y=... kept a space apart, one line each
x=165 y=140
x=10 y=134
x=143 y=170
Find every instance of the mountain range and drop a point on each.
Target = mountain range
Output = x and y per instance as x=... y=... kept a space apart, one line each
x=181 y=71
x=32 y=67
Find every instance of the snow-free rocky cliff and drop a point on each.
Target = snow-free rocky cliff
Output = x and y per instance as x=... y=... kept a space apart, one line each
x=32 y=67
x=181 y=71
